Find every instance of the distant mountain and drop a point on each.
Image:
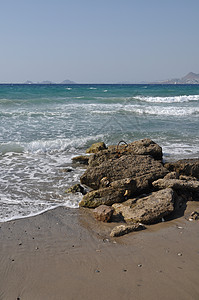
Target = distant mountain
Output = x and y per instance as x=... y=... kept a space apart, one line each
x=28 y=82
x=190 y=78
x=67 y=81
x=46 y=82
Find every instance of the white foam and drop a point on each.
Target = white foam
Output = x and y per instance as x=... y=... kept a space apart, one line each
x=162 y=111
x=170 y=99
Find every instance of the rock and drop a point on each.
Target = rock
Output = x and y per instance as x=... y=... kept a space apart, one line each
x=124 y=229
x=194 y=216
x=142 y=168
x=172 y=175
x=103 y=213
x=142 y=147
x=189 y=167
x=81 y=159
x=77 y=188
x=96 y=147
x=148 y=209
x=116 y=192
x=104 y=196
x=177 y=184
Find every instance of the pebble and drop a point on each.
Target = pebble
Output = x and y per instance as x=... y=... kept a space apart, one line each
x=179 y=254
x=97 y=271
x=139 y=265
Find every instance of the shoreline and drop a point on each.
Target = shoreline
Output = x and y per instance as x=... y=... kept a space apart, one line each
x=65 y=253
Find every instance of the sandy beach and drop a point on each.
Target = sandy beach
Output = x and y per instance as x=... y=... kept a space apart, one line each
x=66 y=254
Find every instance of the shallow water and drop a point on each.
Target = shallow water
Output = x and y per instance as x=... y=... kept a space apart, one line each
x=44 y=126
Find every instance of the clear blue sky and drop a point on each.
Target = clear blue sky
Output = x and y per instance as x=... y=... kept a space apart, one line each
x=101 y=41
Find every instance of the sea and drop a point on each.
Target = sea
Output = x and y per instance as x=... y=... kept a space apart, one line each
x=42 y=127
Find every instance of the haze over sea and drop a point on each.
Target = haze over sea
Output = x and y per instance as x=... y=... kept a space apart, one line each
x=43 y=126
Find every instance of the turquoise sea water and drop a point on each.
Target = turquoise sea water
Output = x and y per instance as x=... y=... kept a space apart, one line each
x=43 y=126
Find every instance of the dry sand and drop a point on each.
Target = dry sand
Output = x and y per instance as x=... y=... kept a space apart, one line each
x=66 y=254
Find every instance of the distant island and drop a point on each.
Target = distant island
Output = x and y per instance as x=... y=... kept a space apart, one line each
x=67 y=81
x=190 y=78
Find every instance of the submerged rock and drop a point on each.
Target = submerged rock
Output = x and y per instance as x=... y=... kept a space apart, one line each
x=103 y=213
x=148 y=209
x=124 y=229
x=96 y=147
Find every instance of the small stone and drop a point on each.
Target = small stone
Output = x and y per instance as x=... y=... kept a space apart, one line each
x=139 y=265
x=179 y=254
x=103 y=213
x=124 y=229
x=194 y=216
x=97 y=271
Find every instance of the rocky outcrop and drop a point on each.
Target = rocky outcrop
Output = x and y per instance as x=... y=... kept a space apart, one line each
x=103 y=213
x=177 y=184
x=77 y=188
x=104 y=196
x=124 y=229
x=189 y=167
x=81 y=159
x=144 y=169
x=96 y=147
x=120 y=175
x=148 y=209
x=142 y=147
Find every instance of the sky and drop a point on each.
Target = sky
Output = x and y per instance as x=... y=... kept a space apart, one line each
x=98 y=41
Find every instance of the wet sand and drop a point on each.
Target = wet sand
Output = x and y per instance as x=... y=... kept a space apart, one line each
x=66 y=254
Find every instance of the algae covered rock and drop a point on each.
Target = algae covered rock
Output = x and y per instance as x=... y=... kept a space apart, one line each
x=77 y=188
x=96 y=147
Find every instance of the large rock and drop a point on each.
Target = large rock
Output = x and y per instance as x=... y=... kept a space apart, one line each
x=142 y=147
x=148 y=209
x=104 y=196
x=94 y=148
x=142 y=168
x=177 y=184
x=124 y=229
x=116 y=191
x=103 y=213
x=189 y=167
